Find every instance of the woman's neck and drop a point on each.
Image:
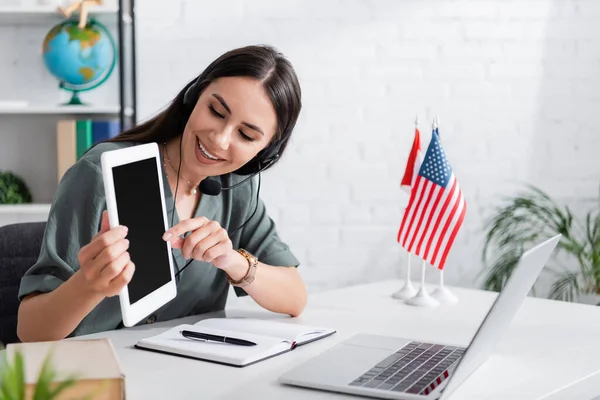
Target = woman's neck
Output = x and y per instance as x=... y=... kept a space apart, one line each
x=173 y=167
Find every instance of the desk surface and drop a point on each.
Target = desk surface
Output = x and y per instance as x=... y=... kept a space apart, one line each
x=551 y=350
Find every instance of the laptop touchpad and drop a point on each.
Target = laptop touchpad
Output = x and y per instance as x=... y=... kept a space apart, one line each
x=376 y=341
x=338 y=366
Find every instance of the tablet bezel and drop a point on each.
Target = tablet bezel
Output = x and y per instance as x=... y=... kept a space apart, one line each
x=133 y=313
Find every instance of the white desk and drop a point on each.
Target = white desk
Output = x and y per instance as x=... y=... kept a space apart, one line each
x=550 y=346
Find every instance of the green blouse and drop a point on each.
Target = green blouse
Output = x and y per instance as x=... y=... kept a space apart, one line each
x=75 y=217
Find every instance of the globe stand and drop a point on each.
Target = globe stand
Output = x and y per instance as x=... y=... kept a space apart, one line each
x=75 y=100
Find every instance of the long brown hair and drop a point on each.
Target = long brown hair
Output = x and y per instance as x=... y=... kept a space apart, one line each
x=260 y=62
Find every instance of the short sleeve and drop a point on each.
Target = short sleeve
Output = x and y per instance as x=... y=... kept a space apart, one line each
x=74 y=219
x=260 y=237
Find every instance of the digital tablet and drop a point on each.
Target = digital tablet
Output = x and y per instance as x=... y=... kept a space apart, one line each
x=135 y=198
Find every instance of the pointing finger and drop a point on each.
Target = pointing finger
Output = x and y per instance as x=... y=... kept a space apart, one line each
x=183 y=227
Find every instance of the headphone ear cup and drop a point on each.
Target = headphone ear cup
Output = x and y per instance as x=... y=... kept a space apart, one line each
x=190 y=97
x=269 y=153
x=262 y=160
x=270 y=161
x=249 y=168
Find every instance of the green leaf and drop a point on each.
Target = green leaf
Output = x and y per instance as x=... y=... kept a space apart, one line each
x=13 y=189
x=47 y=387
x=566 y=288
x=45 y=379
x=501 y=269
x=12 y=385
x=19 y=376
x=526 y=219
x=61 y=387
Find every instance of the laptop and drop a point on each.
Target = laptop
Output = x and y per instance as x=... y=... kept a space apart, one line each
x=388 y=367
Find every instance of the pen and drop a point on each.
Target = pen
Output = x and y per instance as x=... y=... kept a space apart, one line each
x=216 y=338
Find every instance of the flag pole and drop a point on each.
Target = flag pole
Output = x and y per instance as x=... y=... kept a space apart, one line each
x=442 y=294
x=422 y=299
x=408 y=290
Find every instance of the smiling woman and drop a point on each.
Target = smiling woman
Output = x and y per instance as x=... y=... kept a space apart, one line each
x=225 y=126
x=232 y=121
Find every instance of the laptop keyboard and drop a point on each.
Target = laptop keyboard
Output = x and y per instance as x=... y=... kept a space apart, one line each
x=416 y=368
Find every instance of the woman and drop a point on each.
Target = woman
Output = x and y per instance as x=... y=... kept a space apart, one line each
x=235 y=119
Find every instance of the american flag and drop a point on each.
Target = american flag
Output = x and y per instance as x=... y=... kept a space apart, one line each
x=436 y=208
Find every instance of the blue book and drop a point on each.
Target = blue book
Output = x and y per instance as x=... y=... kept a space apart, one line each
x=104 y=130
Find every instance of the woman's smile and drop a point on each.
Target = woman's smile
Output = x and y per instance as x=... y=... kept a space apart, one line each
x=204 y=155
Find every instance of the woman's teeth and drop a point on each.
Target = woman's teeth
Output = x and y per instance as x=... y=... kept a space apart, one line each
x=206 y=153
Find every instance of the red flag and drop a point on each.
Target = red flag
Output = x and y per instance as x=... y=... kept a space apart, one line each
x=413 y=164
x=436 y=209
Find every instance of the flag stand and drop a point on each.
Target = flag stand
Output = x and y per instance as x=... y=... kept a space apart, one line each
x=422 y=299
x=412 y=169
x=442 y=294
x=408 y=290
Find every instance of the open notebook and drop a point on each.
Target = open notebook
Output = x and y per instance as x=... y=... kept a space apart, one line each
x=271 y=338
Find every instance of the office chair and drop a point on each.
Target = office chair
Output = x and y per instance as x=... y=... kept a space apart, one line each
x=20 y=245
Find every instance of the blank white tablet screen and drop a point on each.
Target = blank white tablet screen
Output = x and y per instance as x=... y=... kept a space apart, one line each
x=139 y=208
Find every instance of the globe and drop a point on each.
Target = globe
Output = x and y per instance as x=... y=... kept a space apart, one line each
x=81 y=59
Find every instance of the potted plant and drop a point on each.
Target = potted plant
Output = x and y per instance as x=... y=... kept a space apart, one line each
x=57 y=370
x=13 y=385
x=531 y=217
x=13 y=189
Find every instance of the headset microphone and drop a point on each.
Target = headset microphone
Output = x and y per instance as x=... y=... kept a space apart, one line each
x=209 y=187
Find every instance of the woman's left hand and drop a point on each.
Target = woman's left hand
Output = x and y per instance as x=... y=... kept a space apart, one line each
x=208 y=242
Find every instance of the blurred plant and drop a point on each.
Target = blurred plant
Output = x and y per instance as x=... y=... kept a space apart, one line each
x=13 y=385
x=13 y=189
x=528 y=219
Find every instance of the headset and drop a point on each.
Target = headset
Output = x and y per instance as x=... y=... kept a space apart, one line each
x=263 y=160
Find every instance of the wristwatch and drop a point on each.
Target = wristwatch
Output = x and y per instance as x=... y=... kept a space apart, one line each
x=252 y=265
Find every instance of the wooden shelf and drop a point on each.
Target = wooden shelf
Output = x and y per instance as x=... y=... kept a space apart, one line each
x=61 y=110
x=20 y=14
x=23 y=121
x=20 y=213
x=29 y=208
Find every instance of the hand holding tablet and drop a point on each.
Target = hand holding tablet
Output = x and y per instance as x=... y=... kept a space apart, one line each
x=105 y=262
x=135 y=199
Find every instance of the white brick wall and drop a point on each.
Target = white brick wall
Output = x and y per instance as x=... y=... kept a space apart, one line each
x=515 y=85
